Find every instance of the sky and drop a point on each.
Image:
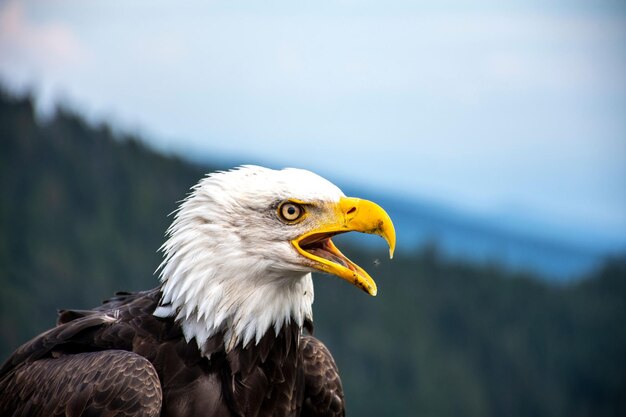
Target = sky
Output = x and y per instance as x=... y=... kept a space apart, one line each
x=511 y=110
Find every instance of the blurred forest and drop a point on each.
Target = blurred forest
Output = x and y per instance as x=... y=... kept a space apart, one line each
x=84 y=211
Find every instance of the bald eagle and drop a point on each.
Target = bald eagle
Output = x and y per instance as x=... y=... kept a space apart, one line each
x=222 y=335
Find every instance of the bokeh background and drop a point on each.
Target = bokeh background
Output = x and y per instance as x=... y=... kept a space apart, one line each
x=494 y=133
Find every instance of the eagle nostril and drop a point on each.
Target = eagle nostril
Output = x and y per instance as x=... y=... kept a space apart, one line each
x=352 y=210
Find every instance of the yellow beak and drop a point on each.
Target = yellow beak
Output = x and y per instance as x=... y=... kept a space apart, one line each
x=348 y=215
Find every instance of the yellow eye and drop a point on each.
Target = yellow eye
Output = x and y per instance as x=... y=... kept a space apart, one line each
x=290 y=212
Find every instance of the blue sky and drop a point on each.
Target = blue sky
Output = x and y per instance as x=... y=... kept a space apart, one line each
x=508 y=109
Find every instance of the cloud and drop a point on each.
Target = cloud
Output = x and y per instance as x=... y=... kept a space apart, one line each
x=33 y=51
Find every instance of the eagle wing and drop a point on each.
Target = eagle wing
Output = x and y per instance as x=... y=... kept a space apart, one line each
x=323 y=393
x=62 y=372
x=106 y=383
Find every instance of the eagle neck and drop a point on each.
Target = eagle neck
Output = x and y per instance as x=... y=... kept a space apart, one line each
x=236 y=312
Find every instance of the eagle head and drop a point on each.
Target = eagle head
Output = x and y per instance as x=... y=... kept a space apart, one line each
x=242 y=246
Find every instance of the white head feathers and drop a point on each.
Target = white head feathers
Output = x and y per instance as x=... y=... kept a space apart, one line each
x=229 y=265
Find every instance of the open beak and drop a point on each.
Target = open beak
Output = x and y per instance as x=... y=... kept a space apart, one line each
x=348 y=215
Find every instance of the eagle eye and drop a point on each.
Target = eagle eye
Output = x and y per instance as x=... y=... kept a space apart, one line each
x=290 y=211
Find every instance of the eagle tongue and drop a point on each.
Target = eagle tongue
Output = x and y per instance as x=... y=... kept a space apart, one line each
x=322 y=250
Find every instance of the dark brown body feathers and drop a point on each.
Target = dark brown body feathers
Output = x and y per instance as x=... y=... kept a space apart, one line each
x=120 y=360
